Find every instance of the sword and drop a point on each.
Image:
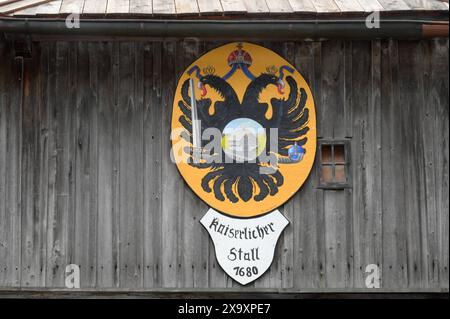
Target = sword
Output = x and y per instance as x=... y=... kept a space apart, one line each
x=196 y=134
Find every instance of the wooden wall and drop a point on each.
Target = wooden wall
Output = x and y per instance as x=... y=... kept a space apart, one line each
x=85 y=175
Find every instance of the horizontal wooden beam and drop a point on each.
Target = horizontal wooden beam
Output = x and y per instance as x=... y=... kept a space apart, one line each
x=226 y=293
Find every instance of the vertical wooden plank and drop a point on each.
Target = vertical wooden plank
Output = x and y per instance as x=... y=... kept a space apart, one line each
x=336 y=223
x=193 y=242
x=335 y=239
x=86 y=166
x=348 y=89
x=152 y=165
x=34 y=172
x=429 y=224
x=72 y=145
x=366 y=159
x=304 y=223
x=131 y=166
x=108 y=159
x=11 y=142
x=394 y=215
x=439 y=100
x=374 y=167
x=331 y=113
x=58 y=215
x=4 y=255
x=412 y=99
x=171 y=192
x=319 y=198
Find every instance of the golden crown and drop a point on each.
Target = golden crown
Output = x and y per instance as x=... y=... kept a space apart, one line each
x=272 y=69
x=209 y=70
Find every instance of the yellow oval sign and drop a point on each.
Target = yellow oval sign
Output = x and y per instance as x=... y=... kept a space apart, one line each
x=243 y=129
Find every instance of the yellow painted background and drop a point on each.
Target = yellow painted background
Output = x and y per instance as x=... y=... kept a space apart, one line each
x=294 y=174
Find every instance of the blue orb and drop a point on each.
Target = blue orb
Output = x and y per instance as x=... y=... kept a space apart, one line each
x=296 y=153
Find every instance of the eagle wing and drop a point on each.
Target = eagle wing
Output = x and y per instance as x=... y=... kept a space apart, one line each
x=291 y=117
x=185 y=106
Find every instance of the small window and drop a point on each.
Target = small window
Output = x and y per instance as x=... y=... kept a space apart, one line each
x=334 y=171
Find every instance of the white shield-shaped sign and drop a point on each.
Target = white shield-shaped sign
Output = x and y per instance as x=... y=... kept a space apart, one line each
x=244 y=247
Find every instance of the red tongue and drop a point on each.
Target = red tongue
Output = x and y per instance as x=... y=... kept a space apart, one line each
x=280 y=88
x=203 y=88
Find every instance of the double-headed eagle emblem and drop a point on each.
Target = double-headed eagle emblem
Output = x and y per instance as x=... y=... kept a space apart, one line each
x=245 y=179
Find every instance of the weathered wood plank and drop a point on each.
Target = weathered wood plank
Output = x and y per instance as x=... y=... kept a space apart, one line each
x=209 y=6
x=152 y=165
x=163 y=7
x=58 y=214
x=4 y=256
x=336 y=232
x=256 y=6
x=305 y=211
x=437 y=5
x=416 y=4
x=279 y=6
x=34 y=174
x=95 y=7
x=193 y=241
x=108 y=169
x=231 y=6
x=325 y=6
x=118 y=6
x=302 y=5
x=439 y=99
x=431 y=242
x=411 y=97
x=52 y=7
x=331 y=108
x=71 y=6
x=10 y=159
x=131 y=165
x=86 y=166
x=172 y=194
x=20 y=5
x=186 y=7
x=31 y=11
x=348 y=5
x=71 y=144
x=348 y=89
x=141 y=6
x=336 y=224
x=394 y=5
x=365 y=160
x=371 y=5
x=394 y=268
